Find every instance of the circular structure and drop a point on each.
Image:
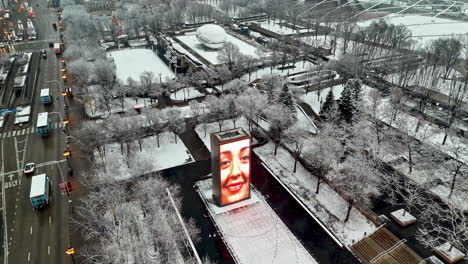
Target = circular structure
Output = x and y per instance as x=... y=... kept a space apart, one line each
x=212 y=36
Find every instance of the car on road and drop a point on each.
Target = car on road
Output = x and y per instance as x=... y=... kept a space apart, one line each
x=32 y=15
x=51 y=44
x=43 y=54
x=29 y=168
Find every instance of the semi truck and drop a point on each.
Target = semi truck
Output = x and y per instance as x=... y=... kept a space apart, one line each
x=40 y=188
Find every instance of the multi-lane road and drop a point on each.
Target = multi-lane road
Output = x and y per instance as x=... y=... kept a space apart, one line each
x=35 y=236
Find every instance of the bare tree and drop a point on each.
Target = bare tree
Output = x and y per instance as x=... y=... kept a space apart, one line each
x=325 y=153
x=252 y=104
x=175 y=121
x=355 y=171
x=280 y=118
x=296 y=139
x=409 y=137
x=157 y=122
x=456 y=166
x=228 y=54
x=443 y=224
x=218 y=109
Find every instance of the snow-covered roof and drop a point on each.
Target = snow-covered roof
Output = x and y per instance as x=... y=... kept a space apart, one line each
x=212 y=36
x=38 y=184
x=45 y=92
x=42 y=119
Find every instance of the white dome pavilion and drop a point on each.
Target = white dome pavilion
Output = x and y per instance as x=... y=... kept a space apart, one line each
x=212 y=36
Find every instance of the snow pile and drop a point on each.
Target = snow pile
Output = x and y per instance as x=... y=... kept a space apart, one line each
x=149 y=159
x=133 y=62
x=212 y=36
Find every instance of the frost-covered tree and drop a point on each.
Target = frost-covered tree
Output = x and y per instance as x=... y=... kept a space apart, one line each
x=280 y=118
x=347 y=105
x=175 y=121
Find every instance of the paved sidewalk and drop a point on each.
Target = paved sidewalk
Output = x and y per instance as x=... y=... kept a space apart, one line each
x=194 y=144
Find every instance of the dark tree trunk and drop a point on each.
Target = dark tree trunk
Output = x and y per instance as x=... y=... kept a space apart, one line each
x=350 y=206
x=319 y=181
x=454 y=179
x=295 y=164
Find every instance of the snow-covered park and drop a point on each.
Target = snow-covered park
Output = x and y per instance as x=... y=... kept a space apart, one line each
x=117 y=166
x=133 y=62
x=424 y=28
x=433 y=136
x=282 y=27
x=186 y=94
x=328 y=206
x=212 y=55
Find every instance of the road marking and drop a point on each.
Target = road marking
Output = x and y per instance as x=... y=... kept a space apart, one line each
x=50 y=219
x=48 y=250
x=8 y=134
x=30 y=231
x=23 y=131
x=32 y=130
x=29 y=256
x=48 y=163
x=14 y=134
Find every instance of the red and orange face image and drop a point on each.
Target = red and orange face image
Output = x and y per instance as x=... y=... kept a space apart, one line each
x=234 y=159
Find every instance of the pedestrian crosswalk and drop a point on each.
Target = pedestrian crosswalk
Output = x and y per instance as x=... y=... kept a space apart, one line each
x=28 y=131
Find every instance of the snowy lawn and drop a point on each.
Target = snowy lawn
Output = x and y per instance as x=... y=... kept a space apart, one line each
x=133 y=62
x=328 y=206
x=437 y=178
x=186 y=94
x=212 y=55
x=95 y=108
x=299 y=66
x=443 y=86
x=282 y=27
x=425 y=28
x=149 y=159
x=316 y=98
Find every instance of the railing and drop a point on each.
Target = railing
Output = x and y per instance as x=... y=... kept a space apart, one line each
x=374 y=260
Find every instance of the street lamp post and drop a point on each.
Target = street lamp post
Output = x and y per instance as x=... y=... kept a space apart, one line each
x=71 y=251
x=64 y=182
x=62 y=121
x=63 y=90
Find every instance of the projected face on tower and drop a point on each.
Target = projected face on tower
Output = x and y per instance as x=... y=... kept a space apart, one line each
x=234 y=162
